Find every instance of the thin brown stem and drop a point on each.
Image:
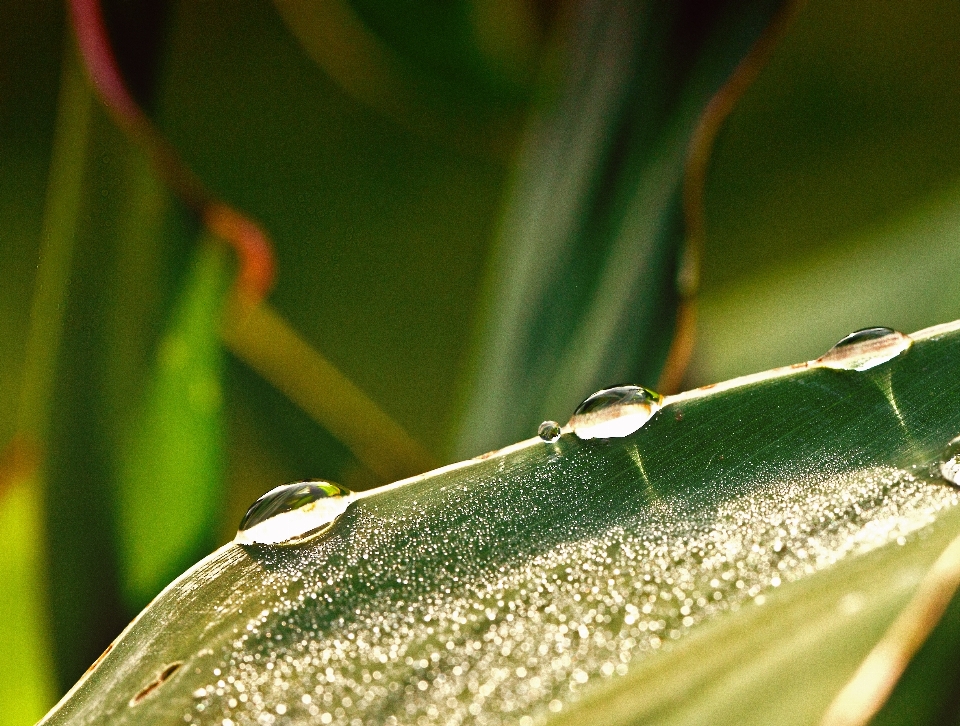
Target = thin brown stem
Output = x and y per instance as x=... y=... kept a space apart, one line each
x=871 y=686
x=252 y=330
x=699 y=154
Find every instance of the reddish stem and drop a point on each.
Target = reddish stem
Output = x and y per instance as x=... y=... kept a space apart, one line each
x=248 y=240
x=251 y=244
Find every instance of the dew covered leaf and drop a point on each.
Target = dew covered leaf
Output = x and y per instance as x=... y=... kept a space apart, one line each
x=735 y=557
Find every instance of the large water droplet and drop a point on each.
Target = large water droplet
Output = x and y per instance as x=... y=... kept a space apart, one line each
x=293 y=512
x=950 y=462
x=549 y=431
x=615 y=412
x=865 y=349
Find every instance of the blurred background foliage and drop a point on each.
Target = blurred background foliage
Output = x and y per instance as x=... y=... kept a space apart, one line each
x=388 y=148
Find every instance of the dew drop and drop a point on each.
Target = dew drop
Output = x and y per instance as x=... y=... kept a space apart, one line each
x=950 y=462
x=293 y=512
x=615 y=412
x=865 y=349
x=549 y=431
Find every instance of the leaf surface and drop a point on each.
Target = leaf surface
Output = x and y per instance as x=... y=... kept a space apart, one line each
x=691 y=571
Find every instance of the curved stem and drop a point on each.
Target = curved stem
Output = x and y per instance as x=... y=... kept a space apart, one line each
x=871 y=686
x=248 y=240
x=251 y=329
x=699 y=154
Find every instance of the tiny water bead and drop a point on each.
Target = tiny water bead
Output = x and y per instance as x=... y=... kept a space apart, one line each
x=549 y=431
x=865 y=349
x=293 y=512
x=615 y=412
x=950 y=464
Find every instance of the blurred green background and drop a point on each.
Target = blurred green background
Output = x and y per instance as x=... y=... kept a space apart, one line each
x=381 y=156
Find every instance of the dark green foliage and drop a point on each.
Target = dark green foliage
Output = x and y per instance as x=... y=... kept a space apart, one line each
x=477 y=246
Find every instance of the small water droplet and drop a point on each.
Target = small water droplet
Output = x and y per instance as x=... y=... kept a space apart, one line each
x=293 y=512
x=865 y=349
x=615 y=412
x=549 y=431
x=950 y=464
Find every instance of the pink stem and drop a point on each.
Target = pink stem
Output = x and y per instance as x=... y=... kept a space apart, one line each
x=248 y=240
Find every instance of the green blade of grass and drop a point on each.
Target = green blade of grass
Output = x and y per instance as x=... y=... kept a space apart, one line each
x=172 y=482
x=27 y=676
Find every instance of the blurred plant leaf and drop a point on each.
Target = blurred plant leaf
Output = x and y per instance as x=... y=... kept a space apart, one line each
x=256 y=333
x=79 y=463
x=841 y=162
x=902 y=683
x=335 y=35
x=171 y=488
x=852 y=96
x=125 y=242
x=675 y=573
x=583 y=288
x=27 y=675
x=266 y=129
x=26 y=672
x=58 y=236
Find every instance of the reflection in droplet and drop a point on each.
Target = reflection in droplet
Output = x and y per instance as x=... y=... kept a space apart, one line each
x=865 y=349
x=615 y=412
x=950 y=464
x=549 y=431
x=293 y=512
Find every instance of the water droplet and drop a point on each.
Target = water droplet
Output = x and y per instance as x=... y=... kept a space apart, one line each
x=950 y=464
x=865 y=349
x=549 y=431
x=615 y=412
x=293 y=512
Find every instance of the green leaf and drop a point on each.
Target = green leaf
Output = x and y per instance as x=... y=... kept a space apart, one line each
x=124 y=256
x=583 y=287
x=267 y=129
x=701 y=569
x=926 y=692
x=841 y=163
x=460 y=83
x=171 y=489
x=26 y=675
